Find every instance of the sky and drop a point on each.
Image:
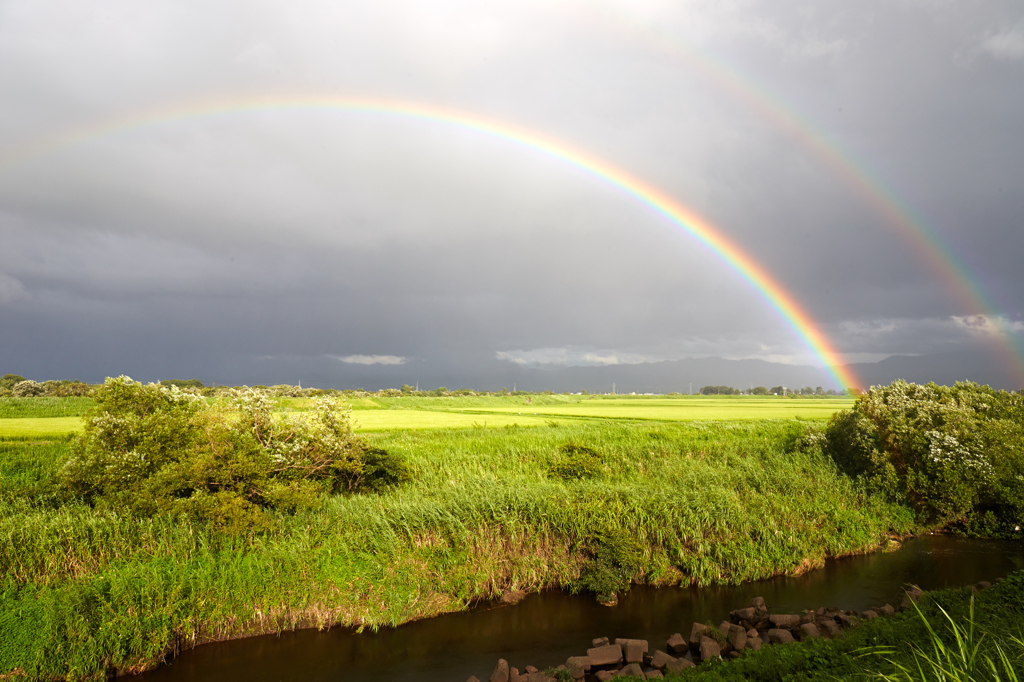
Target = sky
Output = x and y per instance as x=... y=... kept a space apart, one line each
x=153 y=225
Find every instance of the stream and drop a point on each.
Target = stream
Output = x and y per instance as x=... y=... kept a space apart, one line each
x=544 y=629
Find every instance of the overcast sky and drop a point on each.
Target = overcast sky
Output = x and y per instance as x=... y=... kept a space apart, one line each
x=229 y=246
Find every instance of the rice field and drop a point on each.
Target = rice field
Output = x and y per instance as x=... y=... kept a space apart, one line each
x=387 y=414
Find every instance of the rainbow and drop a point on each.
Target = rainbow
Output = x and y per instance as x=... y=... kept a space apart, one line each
x=965 y=289
x=679 y=215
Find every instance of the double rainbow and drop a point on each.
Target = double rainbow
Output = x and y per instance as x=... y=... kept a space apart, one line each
x=679 y=215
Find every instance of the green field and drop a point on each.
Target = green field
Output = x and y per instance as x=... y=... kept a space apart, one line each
x=696 y=500
x=386 y=414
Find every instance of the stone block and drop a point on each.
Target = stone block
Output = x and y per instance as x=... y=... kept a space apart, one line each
x=828 y=628
x=472 y=678
x=780 y=636
x=500 y=673
x=886 y=610
x=653 y=675
x=870 y=614
x=758 y=603
x=604 y=675
x=679 y=665
x=609 y=654
x=737 y=637
x=709 y=649
x=754 y=643
x=633 y=650
x=785 y=621
x=808 y=631
x=513 y=596
x=660 y=659
x=696 y=632
x=577 y=666
x=911 y=595
x=514 y=676
x=983 y=585
x=600 y=641
x=631 y=670
x=677 y=645
x=748 y=614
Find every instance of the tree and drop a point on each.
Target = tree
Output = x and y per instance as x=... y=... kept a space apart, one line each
x=27 y=389
x=9 y=380
x=760 y=390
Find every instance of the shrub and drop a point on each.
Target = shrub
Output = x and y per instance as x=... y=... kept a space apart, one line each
x=616 y=559
x=955 y=454
x=155 y=449
x=577 y=462
x=27 y=389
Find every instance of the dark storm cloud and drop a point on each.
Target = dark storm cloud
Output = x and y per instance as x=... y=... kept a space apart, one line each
x=252 y=244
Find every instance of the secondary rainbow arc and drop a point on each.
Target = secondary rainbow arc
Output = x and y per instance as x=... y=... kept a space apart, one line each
x=969 y=294
x=678 y=214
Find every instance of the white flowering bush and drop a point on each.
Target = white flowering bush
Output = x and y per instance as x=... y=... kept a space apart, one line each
x=156 y=449
x=956 y=454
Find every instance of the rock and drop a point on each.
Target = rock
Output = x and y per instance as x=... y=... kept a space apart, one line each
x=472 y=678
x=679 y=665
x=603 y=675
x=870 y=614
x=910 y=596
x=737 y=637
x=600 y=641
x=779 y=636
x=724 y=627
x=807 y=631
x=512 y=597
x=577 y=666
x=752 y=633
x=748 y=614
x=653 y=674
x=609 y=654
x=531 y=669
x=983 y=585
x=631 y=670
x=820 y=611
x=514 y=676
x=696 y=632
x=734 y=654
x=785 y=621
x=828 y=628
x=845 y=620
x=540 y=677
x=608 y=599
x=633 y=650
x=677 y=645
x=500 y=673
x=660 y=659
x=709 y=649
x=886 y=610
x=754 y=643
x=758 y=603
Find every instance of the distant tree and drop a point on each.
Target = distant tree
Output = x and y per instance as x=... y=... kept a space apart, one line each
x=406 y=388
x=27 y=389
x=8 y=380
x=760 y=390
x=777 y=390
x=719 y=390
x=183 y=383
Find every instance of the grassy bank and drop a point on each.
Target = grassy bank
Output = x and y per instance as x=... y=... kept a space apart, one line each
x=86 y=590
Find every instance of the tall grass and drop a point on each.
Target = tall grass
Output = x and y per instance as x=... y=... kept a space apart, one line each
x=711 y=503
x=22 y=408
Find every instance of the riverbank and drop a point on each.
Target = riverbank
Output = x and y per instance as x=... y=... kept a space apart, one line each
x=919 y=622
x=88 y=591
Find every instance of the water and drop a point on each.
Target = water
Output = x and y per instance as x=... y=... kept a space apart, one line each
x=544 y=629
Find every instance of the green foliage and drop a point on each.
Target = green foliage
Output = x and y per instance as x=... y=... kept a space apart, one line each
x=182 y=383
x=9 y=380
x=955 y=454
x=88 y=588
x=23 y=408
x=616 y=558
x=719 y=390
x=153 y=449
x=576 y=463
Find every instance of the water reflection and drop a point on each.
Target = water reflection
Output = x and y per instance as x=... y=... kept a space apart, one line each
x=545 y=629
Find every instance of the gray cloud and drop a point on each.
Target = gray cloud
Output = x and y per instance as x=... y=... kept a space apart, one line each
x=201 y=243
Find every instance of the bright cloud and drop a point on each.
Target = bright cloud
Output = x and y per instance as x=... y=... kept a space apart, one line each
x=371 y=359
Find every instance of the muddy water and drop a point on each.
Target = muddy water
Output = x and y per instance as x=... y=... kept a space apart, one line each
x=545 y=629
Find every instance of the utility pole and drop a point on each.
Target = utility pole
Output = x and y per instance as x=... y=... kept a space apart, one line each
x=613 y=388
x=691 y=388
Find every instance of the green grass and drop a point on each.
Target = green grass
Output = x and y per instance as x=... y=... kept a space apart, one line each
x=22 y=408
x=87 y=588
x=45 y=428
